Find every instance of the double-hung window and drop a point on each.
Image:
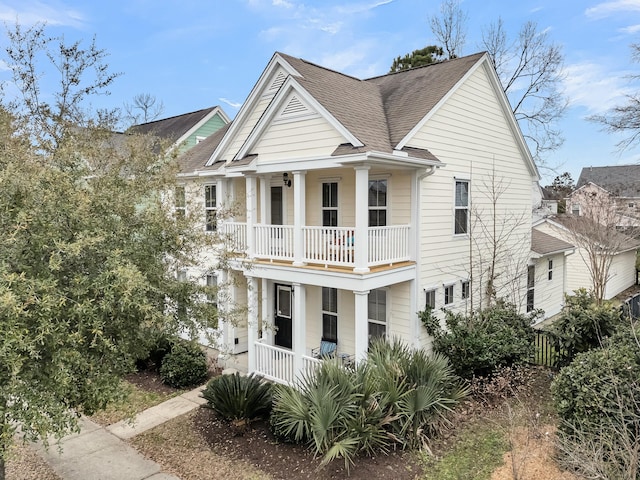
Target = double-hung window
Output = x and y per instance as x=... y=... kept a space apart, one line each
x=430 y=299
x=531 y=283
x=377 y=313
x=212 y=294
x=378 y=203
x=465 y=290
x=448 y=294
x=330 y=314
x=210 y=208
x=461 y=213
x=330 y=204
x=550 y=272
x=180 y=202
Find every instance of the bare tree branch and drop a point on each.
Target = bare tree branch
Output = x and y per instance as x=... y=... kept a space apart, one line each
x=450 y=27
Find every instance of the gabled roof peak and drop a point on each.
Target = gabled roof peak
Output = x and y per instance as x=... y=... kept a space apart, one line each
x=286 y=56
x=449 y=60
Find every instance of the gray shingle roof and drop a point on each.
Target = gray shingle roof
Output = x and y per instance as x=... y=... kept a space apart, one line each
x=172 y=128
x=621 y=181
x=544 y=244
x=196 y=157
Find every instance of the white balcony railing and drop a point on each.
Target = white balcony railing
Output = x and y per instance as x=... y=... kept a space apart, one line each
x=322 y=245
x=275 y=363
x=274 y=242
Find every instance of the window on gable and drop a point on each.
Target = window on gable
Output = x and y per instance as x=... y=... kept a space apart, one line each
x=448 y=294
x=377 y=313
x=330 y=204
x=461 y=213
x=550 y=272
x=377 y=203
x=180 y=201
x=330 y=314
x=210 y=208
x=465 y=290
x=430 y=299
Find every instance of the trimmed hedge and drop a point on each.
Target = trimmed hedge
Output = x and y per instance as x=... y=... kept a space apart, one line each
x=184 y=366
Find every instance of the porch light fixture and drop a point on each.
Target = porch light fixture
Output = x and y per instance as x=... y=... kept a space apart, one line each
x=286 y=180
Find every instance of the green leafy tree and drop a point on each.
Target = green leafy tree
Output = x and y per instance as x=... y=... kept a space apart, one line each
x=424 y=56
x=88 y=248
x=561 y=188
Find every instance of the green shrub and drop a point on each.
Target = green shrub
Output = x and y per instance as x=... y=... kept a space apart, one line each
x=583 y=325
x=396 y=397
x=480 y=343
x=595 y=382
x=239 y=398
x=184 y=366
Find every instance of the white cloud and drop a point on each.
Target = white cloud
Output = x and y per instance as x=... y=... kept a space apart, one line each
x=231 y=103
x=282 y=3
x=30 y=12
x=611 y=7
x=631 y=29
x=594 y=86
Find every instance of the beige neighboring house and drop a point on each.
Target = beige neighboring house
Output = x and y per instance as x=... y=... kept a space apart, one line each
x=617 y=186
x=622 y=272
x=351 y=204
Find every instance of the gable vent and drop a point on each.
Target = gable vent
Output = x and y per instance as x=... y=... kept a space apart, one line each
x=294 y=107
x=278 y=81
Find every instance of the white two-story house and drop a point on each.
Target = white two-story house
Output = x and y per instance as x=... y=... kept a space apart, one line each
x=349 y=205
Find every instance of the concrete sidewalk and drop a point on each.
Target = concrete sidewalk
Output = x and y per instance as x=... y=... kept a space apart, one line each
x=98 y=453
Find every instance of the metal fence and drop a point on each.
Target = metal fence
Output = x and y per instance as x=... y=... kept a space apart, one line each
x=632 y=306
x=545 y=352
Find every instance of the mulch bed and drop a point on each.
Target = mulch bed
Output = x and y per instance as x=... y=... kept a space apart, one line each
x=149 y=381
x=259 y=447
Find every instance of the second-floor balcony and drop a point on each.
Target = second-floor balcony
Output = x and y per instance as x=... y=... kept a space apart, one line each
x=328 y=246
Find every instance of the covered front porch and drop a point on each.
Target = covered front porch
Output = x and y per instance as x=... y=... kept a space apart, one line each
x=288 y=321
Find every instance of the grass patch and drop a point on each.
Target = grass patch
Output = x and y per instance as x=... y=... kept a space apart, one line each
x=134 y=401
x=477 y=452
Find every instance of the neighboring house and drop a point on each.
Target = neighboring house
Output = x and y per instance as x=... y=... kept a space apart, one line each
x=547 y=275
x=544 y=204
x=186 y=130
x=618 y=186
x=350 y=205
x=622 y=272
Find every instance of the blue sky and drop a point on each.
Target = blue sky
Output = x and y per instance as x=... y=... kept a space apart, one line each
x=194 y=54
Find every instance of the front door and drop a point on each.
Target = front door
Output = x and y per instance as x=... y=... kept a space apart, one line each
x=283 y=317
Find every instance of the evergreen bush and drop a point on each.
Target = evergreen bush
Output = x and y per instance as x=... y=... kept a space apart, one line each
x=483 y=342
x=184 y=366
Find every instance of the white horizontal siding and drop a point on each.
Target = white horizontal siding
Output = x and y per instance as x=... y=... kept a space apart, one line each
x=622 y=274
x=247 y=127
x=471 y=135
x=549 y=294
x=304 y=138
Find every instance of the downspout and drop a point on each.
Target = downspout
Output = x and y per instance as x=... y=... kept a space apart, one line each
x=417 y=188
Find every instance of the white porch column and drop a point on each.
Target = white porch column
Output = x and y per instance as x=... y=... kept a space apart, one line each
x=224 y=326
x=362 y=324
x=299 y=326
x=251 y=215
x=414 y=322
x=265 y=188
x=361 y=251
x=299 y=215
x=267 y=313
x=252 y=322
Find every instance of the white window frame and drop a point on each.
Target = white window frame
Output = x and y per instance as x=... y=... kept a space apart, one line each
x=376 y=321
x=550 y=269
x=209 y=210
x=466 y=208
x=465 y=289
x=384 y=207
x=180 y=201
x=449 y=293
x=531 y=287
x=211 y=280
x=329 y=313
x=330 y=208
x=427 y=292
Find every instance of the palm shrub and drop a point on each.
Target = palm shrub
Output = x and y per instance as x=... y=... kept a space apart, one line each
x=239 y=398
x=396 y=396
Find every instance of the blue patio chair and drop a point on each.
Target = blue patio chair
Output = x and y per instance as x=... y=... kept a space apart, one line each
x=327 y=349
